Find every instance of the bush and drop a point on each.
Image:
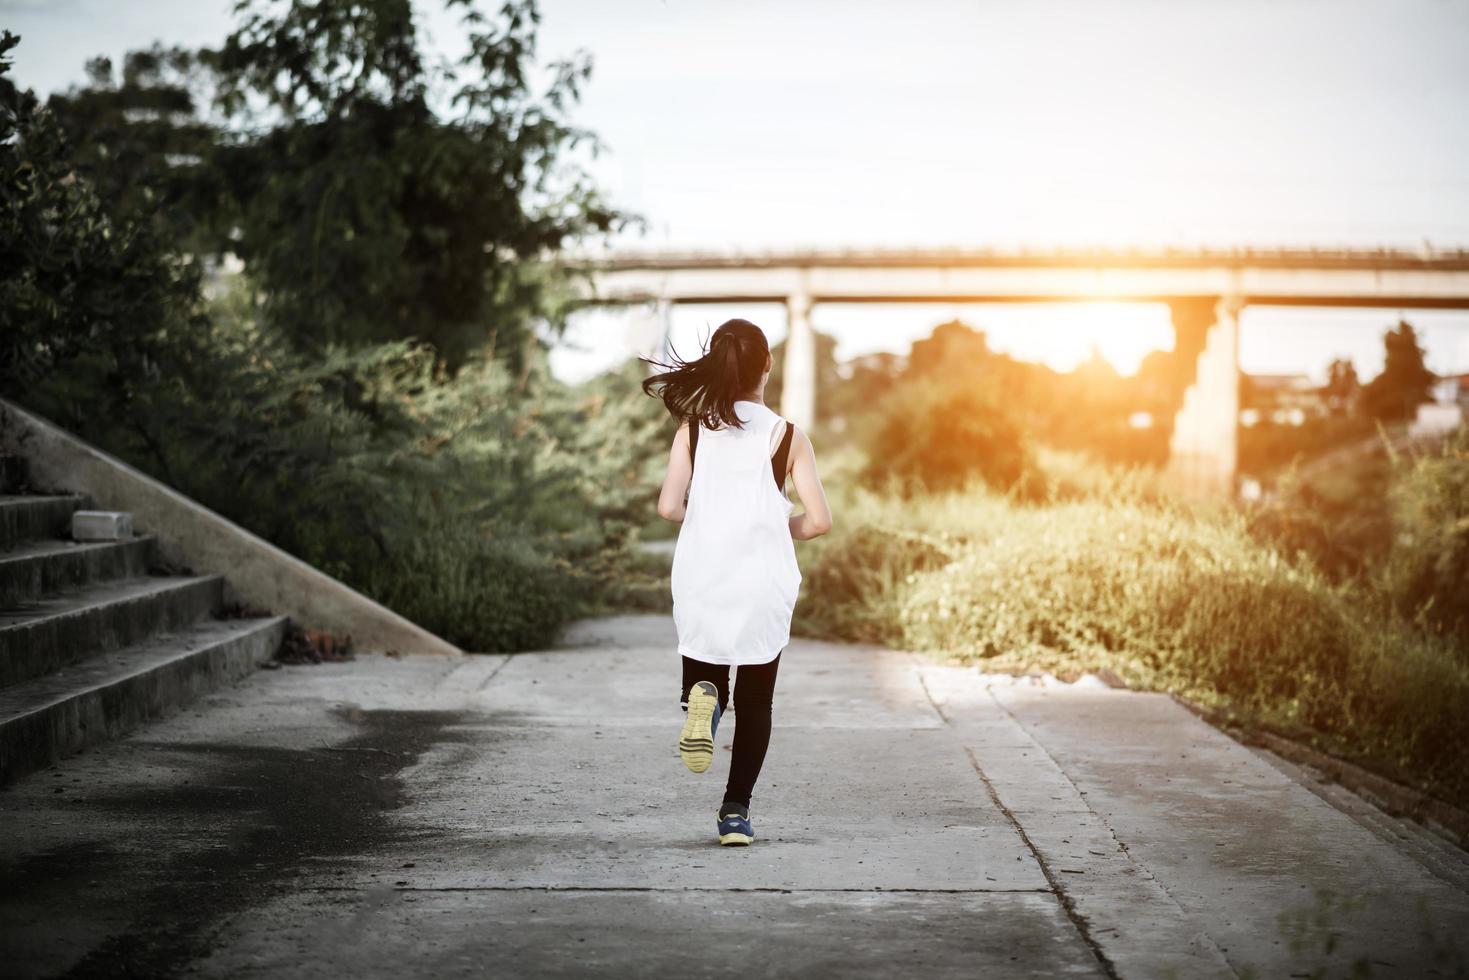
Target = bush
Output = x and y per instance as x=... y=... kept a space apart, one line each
x=455 y=480
x=1168 y=598
x=481 y=593
x=939 y=435
x=487 y=507
x=1338 y=519
x=1427 y=567
x=1397 y=523
x=1268 y=448
x=849 y=591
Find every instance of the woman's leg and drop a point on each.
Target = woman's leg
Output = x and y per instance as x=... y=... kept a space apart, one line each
x=695 y=671
x=753 y=693
x=705 y=696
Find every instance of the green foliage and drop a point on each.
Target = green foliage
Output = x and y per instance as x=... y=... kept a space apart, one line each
x=83 y=278
x=1427 y=567
x=374 y=193
x=1337 y=518
x=478 y=592
x=137 y=137
x=369 y=396
x=1269 y=449
x=490 y=507
x=1169 y=598
x=851 y=591
x=937 y=435
x=387 y=197
x=1396 y=522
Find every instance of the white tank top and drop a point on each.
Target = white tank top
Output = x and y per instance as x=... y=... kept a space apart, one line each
x=735 y=576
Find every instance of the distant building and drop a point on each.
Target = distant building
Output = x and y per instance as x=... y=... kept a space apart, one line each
x=1285 y=399
x=1452 y=388
x=1448 y=409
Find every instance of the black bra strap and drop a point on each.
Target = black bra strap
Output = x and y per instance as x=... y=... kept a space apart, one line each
x=778 y=462
x=693 y=438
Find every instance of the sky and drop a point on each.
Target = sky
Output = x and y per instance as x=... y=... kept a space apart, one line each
x=851 y=124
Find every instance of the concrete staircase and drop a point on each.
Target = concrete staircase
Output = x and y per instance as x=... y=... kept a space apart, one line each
x=95 y=641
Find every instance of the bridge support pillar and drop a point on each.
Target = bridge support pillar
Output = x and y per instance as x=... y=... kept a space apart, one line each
x=1204 y=448
x=798 y=391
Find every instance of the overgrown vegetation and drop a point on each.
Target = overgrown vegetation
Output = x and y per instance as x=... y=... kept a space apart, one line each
x=372 y=393
x=936 y=436
x=1175 y=597
x=80 y=278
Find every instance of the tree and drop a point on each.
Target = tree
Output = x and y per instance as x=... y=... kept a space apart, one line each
x=383 y=197
x=85 y=277
x=139 y=139
x=954 y=348
x=938 y=434
x=1405 y=381
x=1342 y=388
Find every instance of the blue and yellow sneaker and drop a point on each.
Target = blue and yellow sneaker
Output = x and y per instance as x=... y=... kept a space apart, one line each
x=696 y=741
x=735 y=828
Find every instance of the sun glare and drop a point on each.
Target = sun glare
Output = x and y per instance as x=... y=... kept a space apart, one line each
x=1121 y=333
x=1059 y=335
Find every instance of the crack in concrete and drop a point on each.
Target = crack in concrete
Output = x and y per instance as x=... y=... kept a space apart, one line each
x=1068 y=904
x=494 y=673
x=932 y=701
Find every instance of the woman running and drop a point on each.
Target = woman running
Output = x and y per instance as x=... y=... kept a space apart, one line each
x=735 y=576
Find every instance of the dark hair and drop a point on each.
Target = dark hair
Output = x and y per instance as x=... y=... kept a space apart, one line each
x=706 y=388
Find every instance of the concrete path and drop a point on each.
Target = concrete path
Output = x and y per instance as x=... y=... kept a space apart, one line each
x=528 y=816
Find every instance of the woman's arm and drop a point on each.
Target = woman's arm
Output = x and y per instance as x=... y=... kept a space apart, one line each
x=672 y=499
x=815 y=520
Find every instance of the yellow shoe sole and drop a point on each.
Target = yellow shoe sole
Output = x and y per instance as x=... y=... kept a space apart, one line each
x=737 y=840
x=696 y=741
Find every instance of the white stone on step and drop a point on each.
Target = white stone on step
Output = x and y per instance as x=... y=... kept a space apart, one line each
x=101 y=525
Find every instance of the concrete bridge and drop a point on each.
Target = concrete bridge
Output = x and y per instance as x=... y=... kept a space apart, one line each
x=1205 y=290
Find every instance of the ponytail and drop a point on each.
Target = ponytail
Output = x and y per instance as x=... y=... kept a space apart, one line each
x=706 y=389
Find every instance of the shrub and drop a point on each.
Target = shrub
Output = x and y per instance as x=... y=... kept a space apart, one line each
x=1397 y=523
x=1338 y=519
x=1168 y=598
x=1137 y=586
x=939 y=435
x=1062 y=476
x=485 y=506
x=1427 y=567
x=1268 y=448
x=481 y=593
x=849 y=591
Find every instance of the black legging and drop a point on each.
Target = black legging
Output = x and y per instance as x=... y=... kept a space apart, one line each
x=754 y=690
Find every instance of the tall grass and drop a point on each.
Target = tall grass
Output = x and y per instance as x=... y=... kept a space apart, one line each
x=1113 y=573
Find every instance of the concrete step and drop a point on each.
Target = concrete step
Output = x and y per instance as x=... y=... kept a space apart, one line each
x=44 y=720
x=49 y=634
x=15 y=473
x=35 y=569
x=28 y=518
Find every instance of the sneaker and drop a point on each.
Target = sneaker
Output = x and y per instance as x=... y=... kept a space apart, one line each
x=734 y=825
x=696 y=741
